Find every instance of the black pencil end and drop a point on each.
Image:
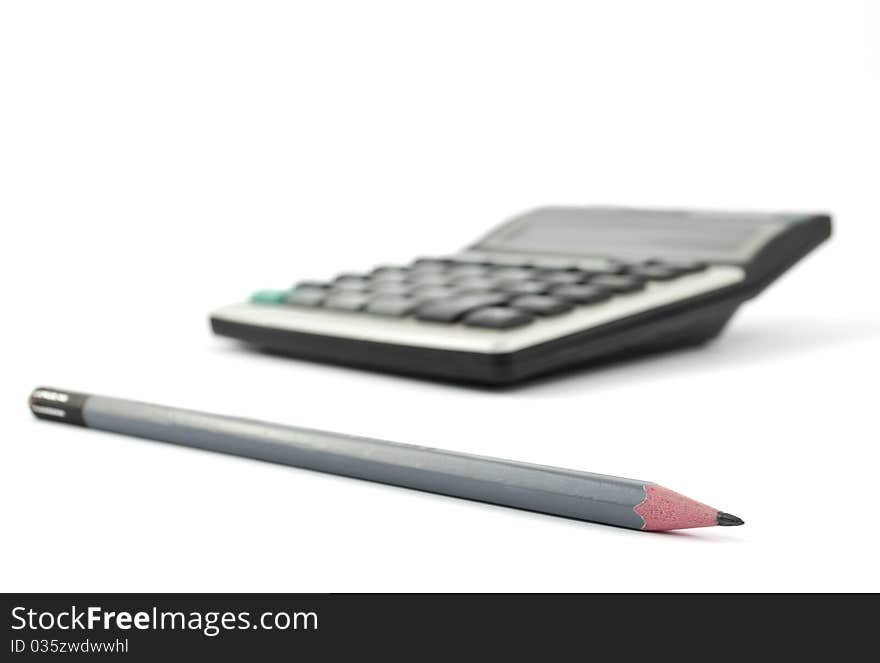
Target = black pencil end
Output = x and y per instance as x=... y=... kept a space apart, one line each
x=728 y=519
x=58 y=405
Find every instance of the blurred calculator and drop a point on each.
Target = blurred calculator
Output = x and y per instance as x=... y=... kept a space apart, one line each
x=551 y=289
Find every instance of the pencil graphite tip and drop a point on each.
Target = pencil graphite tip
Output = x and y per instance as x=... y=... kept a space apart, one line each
x=728 y=520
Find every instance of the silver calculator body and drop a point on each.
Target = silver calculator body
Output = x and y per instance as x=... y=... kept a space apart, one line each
x=551 y=289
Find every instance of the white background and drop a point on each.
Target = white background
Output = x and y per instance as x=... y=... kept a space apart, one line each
x=160 y=159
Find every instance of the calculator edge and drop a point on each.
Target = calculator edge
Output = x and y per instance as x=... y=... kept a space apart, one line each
x=685 y=323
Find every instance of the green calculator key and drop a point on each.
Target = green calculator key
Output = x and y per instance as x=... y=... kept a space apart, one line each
x=269 y=296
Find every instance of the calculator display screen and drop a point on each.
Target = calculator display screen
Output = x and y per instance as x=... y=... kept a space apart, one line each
x=636 y=234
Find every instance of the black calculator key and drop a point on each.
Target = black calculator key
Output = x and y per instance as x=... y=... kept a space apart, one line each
x=313 y=285
x=612 y=267
x=553 y=264
x=347 y=301
x=523 y=287
x=618 y=282
x=453 y=308
x=581 y=294
x=473 y=283
x=392 y=305
x=541 y=305
x=513 y=273
x=306 y=296
x=467 y=270
x=431 y=262
x=497 y=317
x=352 y=285
x=350 y=278
x=432 y=292
x=390 y=287
x=562 y=276
x=470 y=262
x=389 y=274
x=692 y=266
x=683 y=266
x=655 y=272
x=429 y=266
x=428 y=278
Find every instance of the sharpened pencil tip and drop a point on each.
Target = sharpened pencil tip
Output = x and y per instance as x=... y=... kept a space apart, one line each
x=728 y=520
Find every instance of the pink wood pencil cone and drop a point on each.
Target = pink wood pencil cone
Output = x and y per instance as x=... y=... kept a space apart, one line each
x=664 y=509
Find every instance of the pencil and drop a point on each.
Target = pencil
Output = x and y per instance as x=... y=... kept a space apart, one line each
x=585 y=496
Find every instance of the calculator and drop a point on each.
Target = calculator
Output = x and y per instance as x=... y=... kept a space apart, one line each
x=551 y=289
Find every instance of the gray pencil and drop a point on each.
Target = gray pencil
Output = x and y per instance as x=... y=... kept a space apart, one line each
x=561 y=492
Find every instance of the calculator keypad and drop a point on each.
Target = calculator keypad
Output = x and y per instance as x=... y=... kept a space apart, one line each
x=476 y=294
